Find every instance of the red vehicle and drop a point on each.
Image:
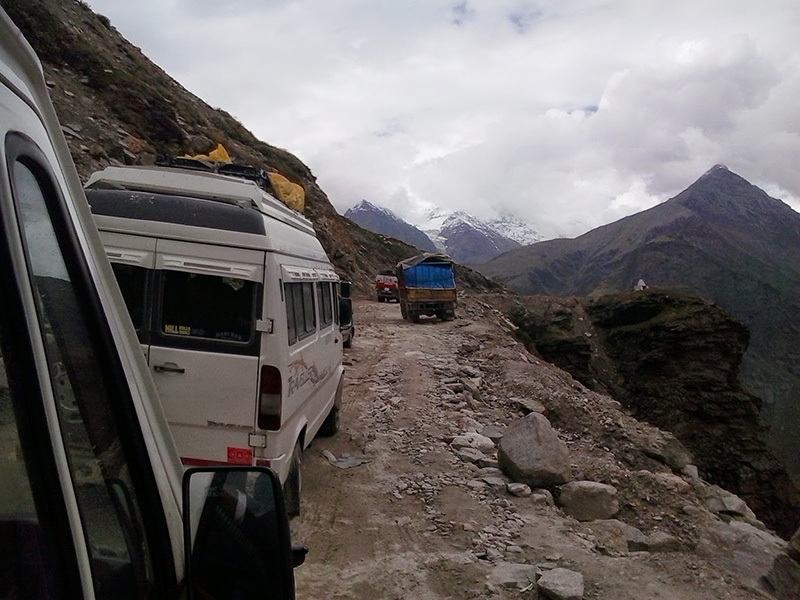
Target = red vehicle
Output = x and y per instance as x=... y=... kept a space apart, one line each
x=386 y=286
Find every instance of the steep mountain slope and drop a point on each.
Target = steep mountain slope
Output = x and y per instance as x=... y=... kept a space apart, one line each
x=381 y=220
x=723 y=239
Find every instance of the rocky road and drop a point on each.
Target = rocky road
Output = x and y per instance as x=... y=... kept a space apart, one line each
x=393 y=508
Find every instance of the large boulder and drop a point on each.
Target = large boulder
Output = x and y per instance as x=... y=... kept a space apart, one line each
x=531 y=452
x=589 y=500
x=561 y=584
x=783 y=580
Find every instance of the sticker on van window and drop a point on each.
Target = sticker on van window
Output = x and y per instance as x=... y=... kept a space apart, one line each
x=240 y=456
x=178 y=329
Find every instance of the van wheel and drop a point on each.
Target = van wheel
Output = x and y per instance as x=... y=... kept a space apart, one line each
x=348 y=342
x=291 y=488
x=331 y=423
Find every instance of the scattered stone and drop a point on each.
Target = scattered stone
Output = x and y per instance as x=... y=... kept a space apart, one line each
x=470 y=455
x=493 y=432
x=589 y=500
x=616 y=538
x=487 y=462
x=514 y=576
x=527 y=405
x=670 y=452
x=497 y=484
x=71 y=132
x=661 y=541
x=520 y=490
x=531 y=452
x=610 y=538
x=542 y=496
x=473 y=440
x=490 y=472
x=691 y=472
x=721 y=501
x=561 y=584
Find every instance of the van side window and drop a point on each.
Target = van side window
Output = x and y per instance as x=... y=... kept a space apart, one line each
x=83 y=383
x=208 y=306
x=131 y=282
x=301 y=317
x=325 y=304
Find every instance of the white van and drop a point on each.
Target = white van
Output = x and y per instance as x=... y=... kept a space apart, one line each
x=95 y=502
x=236 y=306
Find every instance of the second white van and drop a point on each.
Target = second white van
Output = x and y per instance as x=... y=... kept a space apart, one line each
x=236 y=307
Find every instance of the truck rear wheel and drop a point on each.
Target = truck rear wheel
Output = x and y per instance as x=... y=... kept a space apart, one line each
x=414 y=317
x=403 y=311
x=291 y=488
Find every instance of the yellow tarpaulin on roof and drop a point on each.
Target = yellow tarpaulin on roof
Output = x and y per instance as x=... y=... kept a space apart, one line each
x=218 y=154
x=292 y=194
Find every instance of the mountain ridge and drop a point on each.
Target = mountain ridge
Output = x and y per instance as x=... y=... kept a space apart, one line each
x=723 y=239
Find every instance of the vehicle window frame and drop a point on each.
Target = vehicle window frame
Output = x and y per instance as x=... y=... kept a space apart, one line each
x=19 y=349
x=143 y=328
x=20 y=148
x=186 y=342
x=296 y=294
x=325 y=301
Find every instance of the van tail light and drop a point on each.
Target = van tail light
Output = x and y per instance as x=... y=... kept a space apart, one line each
x=269 y=399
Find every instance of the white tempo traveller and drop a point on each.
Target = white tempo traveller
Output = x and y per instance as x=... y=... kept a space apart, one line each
x=236 y=306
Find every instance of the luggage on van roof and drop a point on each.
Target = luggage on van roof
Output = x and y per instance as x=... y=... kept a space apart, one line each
x=192 y=178
x=218 y=161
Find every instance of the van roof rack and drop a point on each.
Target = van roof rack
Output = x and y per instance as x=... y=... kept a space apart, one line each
x=259 y=176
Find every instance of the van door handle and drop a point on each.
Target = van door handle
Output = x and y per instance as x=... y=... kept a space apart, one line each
x=169 y=367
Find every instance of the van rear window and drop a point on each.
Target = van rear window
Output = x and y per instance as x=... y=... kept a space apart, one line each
x=208 y=306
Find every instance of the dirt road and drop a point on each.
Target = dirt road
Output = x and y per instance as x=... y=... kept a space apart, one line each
x=389 y=510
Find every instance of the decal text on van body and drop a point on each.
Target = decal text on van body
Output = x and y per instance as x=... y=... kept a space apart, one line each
x=301 y=373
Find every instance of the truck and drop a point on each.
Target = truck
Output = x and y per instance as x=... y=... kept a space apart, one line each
x=426 y=285
x=386 y=286
x=96 y=503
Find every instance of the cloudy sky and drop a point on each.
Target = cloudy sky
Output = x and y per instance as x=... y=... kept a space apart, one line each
x=567 y=113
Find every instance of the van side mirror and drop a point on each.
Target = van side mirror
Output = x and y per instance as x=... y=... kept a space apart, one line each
x=345 y=288
x=236 y=535
x=345 y=312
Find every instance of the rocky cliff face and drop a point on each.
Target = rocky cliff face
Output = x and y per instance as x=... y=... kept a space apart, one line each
x=673 y=360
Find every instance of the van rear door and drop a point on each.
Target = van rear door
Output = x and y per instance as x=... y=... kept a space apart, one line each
x=204 y=347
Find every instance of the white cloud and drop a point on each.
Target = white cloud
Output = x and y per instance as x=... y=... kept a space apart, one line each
x=568 y=114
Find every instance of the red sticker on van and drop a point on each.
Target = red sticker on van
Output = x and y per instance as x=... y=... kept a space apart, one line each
x=240 y=456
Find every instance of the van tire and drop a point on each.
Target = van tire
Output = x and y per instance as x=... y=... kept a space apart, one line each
x=331 y=423
x=291 y=488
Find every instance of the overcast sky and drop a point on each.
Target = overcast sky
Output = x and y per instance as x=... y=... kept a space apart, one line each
x=567 y=113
